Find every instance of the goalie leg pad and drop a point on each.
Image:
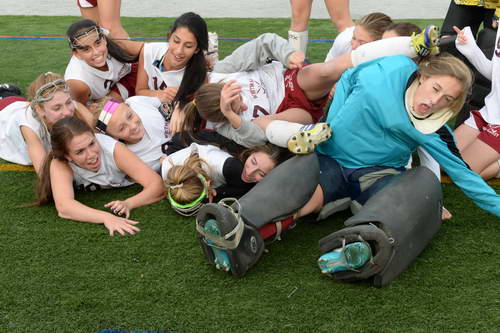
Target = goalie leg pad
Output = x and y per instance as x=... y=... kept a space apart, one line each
x=398 y=222
x=237 y=247
x=296 y=179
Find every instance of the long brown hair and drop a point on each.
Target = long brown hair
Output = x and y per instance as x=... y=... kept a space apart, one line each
x=205 y=106
x=375 y=24
x=62 y=133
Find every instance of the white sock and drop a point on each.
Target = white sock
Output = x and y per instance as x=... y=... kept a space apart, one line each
x=298 y=40
x=279 y=131
x=383 y=48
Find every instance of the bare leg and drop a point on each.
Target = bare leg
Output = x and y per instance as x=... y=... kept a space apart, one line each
x=109 y=16
x=465 y=135
x=301 y=11
x=317 y=80
x=91 y=14
x=491 y=171
x=314 y=204
x=295 y=115
x=479 y=156
x=339 y=13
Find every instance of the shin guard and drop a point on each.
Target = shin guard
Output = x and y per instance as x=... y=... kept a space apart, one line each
x=398 y=223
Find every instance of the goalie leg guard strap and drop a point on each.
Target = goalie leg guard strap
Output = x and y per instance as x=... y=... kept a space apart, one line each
x=408 y=212
x=281 y=193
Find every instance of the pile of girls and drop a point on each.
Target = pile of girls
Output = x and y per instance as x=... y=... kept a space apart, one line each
x=129 y=112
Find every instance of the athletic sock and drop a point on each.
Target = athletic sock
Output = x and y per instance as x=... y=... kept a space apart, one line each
x=279 y=131
x=298 y=40
x=383 y=48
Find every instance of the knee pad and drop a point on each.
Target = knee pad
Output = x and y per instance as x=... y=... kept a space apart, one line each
x=239 y=244
x=398 y=223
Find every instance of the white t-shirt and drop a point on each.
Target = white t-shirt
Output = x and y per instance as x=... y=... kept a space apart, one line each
x=213 y=156
x=153 y=58
x=99 y=82
x=156 y=130
x=13 y=148
x=342 y=44
x=491 y=108
x=108 y=175
x=262 y=90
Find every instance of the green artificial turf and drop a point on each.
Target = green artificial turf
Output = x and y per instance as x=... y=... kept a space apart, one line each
x=62 y=276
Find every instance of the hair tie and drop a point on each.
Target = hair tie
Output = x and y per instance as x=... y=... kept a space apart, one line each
x=106 y=114
x=176 y=186
x=194 y=102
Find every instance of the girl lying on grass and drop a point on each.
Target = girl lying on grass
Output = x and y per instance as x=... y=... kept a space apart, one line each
x=25 y=125
x=85 y=161
x=205 y=173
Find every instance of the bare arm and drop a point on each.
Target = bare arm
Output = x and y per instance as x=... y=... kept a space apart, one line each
x=67 y=207
x=36 y=150
x=142 y=88
x=80 y=91
x=153 y=189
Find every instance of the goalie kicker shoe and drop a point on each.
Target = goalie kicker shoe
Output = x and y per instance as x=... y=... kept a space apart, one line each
x=227 y=242
x=348 y=257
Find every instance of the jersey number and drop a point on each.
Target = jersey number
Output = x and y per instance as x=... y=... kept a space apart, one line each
x=108 y=84
x=155 y=83
x=260 y=109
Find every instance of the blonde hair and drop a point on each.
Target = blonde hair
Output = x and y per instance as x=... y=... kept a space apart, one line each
x=40 y=81
x=375 y=24
x=447 y=65
x=96 y=108
x=183 y=183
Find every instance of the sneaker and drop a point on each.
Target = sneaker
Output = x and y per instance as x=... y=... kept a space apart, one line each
x=426 y=42
x=221 y=258
x=8 y=89
x=347 y=258
x=308 y=137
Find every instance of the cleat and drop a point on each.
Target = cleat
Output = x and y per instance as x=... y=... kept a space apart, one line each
x=8 y=89
x=221 y=257
x=426 y=42
x=308 y=137
x=347 y=258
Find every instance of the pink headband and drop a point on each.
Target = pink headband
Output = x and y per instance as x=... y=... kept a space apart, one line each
x=105 y=115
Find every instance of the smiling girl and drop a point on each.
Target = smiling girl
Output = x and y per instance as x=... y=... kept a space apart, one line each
x=98 y=66
x=25 y=125
x=173 y=70
x=85 y=161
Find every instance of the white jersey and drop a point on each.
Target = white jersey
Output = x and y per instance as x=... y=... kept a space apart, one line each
x=262 y=90
x=341 y=44
x=158 y=78
x=13 y=148
x=213 y=156
x=108 y=175
x=156 y=130
x=99 y=82
x=491 y=108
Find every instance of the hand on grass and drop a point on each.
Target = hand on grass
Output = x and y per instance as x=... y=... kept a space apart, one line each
x=119 y=207
x=120 y=225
